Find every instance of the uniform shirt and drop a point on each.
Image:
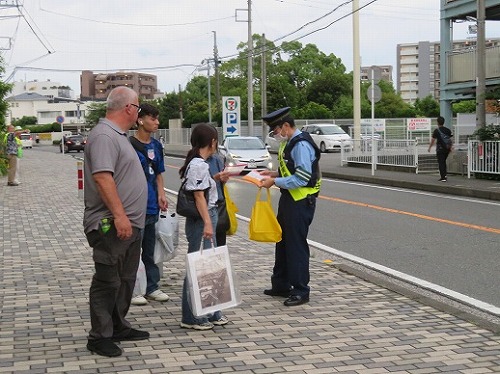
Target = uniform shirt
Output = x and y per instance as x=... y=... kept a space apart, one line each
x=109 y=150
x=303 y=155
x=199 y=179
x=154 y=150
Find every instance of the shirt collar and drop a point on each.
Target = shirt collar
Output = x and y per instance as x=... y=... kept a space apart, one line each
x=113 y=126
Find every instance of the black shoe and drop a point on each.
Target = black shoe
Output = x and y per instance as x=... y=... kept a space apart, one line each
x=271 y=292
x=443 y=180
x=104 y=347
x=296 y=300
x=133 y=334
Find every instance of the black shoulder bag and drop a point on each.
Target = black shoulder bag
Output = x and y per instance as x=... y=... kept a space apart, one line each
x=186 y=203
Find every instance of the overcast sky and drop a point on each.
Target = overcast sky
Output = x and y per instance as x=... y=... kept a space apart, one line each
x=171 y=38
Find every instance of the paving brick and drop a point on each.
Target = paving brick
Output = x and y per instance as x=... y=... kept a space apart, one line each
x=350 y=325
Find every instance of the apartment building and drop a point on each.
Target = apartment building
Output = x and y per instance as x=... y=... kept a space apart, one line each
x=97 y=86
x=418 y=66
x=386 y=73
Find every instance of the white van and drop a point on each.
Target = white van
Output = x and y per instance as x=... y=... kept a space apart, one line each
x=27 y=140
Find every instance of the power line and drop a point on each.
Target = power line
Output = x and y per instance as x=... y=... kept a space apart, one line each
x=135 y=24
x=33 y=30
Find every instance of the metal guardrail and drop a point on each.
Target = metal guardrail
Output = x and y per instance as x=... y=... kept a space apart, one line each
x=483 y=157
x=402 y=153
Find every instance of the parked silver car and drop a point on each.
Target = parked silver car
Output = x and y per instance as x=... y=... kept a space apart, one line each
x=247 y=150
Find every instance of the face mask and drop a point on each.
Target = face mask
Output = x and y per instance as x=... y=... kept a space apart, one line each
x=280 y=138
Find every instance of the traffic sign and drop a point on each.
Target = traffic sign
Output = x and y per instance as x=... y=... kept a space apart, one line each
x=374 y=93
x=60 y=119
x=231 y=117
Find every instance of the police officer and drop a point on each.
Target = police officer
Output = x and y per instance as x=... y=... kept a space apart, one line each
x=299 y=180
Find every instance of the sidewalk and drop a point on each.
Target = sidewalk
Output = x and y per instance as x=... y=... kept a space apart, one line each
x=349 y=326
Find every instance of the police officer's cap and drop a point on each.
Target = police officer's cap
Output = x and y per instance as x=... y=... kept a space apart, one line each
x=277 y=117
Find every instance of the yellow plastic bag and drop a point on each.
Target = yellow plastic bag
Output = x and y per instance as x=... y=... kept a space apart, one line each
x=231 y=212
x=264 y=226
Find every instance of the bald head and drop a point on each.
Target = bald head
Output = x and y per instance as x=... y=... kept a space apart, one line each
x=122 y=107
x=119 y=97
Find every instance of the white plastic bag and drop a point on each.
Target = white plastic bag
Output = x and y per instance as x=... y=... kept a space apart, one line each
x=141 y=281
x=167 y=237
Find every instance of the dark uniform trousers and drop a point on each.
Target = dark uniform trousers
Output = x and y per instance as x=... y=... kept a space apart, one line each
x=291 y=266
x=116 y=262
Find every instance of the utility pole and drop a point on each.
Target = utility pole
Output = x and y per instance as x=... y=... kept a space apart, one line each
x=480 y=68
x=263 y=85
x=250 y=70
x=356 y=70
x=217 y=80
x=180 y=105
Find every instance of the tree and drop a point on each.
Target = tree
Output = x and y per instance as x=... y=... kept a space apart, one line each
x=313 y=110
x=94 y=112
x=427 y=107
x=25 y=121
x=169 y=107
x=5 y=88
x=464 y=106
x=327 y=88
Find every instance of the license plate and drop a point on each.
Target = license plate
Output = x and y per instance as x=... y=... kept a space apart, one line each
x=251 y=165
x=77 y=143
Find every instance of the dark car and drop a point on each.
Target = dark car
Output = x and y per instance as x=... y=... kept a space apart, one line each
x=73 y=143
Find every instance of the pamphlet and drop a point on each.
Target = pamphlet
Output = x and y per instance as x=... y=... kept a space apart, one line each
x=235 y=169
x=255 y=177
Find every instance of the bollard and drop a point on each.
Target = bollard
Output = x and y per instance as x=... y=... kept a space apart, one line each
x=79 y=167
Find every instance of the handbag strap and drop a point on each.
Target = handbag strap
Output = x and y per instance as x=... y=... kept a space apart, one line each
x=268 y=195
x=211 y=242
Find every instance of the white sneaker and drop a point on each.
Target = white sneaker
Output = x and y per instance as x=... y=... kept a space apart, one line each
x=158 y=295
x=138 y=300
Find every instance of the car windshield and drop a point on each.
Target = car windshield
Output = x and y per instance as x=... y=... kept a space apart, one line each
x=331 y=130
x=25 y=136
x=252 y=143
x=76 y=138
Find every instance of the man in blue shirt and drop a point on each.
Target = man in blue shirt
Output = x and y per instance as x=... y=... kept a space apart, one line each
x=299 y=179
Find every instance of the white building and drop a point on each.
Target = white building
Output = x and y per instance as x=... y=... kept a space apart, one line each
x=45 y=88
x=46 y=110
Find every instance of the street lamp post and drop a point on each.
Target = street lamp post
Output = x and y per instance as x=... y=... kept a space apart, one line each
x=78 y=116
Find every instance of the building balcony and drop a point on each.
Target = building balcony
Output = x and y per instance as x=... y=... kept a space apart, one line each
x=462 y=65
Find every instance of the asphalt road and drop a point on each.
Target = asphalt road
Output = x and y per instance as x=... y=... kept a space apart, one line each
x=450 y=241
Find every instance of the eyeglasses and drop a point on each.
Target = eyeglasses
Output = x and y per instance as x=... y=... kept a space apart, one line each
x=276 y=130
x=137 y=106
